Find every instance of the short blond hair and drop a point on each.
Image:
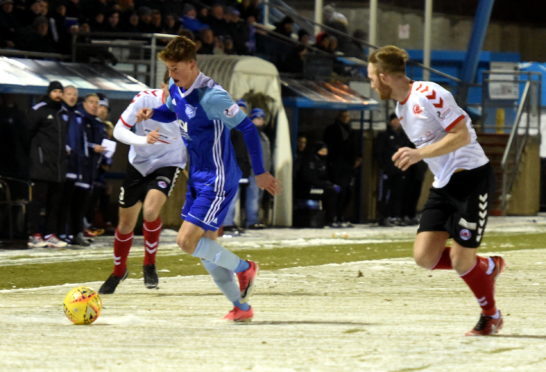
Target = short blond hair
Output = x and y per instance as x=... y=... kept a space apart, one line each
x=179 y=49
x=389 y=59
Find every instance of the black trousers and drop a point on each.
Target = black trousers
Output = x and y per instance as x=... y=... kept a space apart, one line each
x=43 y=211
x=73 y=208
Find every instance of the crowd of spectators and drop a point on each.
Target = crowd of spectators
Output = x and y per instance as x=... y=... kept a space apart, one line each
x=217 y=26
x=47 y=26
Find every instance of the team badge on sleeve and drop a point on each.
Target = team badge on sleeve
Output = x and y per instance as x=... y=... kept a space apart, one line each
x=232 y=110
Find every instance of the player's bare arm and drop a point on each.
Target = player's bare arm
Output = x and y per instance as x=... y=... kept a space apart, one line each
x=457 y=137
x=268 y=183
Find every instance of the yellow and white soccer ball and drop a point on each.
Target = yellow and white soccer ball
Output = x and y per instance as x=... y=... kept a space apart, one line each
x=82 y=305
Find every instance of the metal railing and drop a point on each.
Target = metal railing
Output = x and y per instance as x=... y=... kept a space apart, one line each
x=136 y=50
x=529 y=107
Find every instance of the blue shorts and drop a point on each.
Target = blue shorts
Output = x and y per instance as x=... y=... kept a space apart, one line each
x=205 y=207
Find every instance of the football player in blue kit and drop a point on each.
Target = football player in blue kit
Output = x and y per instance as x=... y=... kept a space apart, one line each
x=207 y=114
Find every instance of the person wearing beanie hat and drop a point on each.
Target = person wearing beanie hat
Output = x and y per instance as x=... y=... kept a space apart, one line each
x=257 y=113
x=55 y=91
x=48 y=152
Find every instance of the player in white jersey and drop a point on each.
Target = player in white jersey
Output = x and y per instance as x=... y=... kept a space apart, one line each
x=457 y=205
x=156 y=156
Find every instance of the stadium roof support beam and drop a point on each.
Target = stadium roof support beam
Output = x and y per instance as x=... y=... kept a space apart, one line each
x=318 y=15
x=426 y=39
x=372 y=31
x=475 y=44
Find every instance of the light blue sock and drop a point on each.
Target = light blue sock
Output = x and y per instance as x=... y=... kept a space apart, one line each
x=213 y=252
x=225 y=280
x=242 y=306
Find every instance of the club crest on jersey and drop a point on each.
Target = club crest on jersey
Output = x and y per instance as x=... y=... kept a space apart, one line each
x=465 y=234
x=417 y=109
x=232 y=110
x=162 y=184
x=190 y=111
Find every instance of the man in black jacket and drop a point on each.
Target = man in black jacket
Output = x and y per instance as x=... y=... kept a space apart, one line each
x=344 y=158
x=314 y=176
x=48 y=156
x=392 y=181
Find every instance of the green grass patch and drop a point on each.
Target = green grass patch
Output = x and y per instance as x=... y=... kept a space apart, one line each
x=46 y=274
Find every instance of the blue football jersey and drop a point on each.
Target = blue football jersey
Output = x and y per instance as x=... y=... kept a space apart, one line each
x=207 y=113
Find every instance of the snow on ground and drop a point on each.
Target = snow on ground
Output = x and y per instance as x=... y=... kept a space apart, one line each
x=383 y=315
x=267 y=239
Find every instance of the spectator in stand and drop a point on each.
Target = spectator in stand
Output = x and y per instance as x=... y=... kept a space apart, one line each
x=89 y=8
x=98 y=21
x=113 y=22
x=73 y=9
x=34 y=9
x=216 y=20
x=189 y=19
x=206 y=36
x=251 y=43
x=38 y=39
x=172 y=24
x=238 y=30
x=71 y=211
x=294 y=60
x=145 y=19
x=132 y=24
x=157 y=21
x=248 y=8
x=314 y=175
x=344 y=158
x=8 y=25
x=47 y=130
x=303 y=37
x=355 y=48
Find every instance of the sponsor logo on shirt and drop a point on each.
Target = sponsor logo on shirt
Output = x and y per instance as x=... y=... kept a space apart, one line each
x=190 y=111
x=232 y=110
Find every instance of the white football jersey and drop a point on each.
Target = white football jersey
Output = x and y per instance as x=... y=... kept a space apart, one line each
x=426 y=115
x=169 y=151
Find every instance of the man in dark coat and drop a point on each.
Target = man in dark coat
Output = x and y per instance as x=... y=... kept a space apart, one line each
x=344 y=158
x=47 y=130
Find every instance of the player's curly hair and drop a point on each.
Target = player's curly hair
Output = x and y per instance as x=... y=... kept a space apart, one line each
x=180 y=49
x=389 y=59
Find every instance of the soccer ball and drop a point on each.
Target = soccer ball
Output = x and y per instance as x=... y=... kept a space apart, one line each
x=82 y=305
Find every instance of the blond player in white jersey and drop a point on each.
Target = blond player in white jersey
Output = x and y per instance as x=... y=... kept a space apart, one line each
x=457 y=206
x=156 y=156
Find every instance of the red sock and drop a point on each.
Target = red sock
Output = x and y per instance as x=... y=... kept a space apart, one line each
x=444 y=263
x=122 y=246
x=151 y=231
x=482 y=285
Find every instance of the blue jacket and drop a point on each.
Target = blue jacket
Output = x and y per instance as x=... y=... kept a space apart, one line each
x=76 y=141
